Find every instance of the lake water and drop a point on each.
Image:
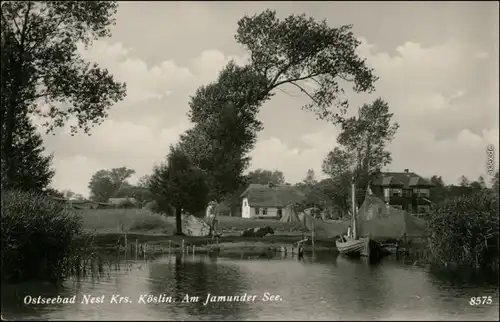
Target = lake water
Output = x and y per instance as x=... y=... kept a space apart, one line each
x=322 y=288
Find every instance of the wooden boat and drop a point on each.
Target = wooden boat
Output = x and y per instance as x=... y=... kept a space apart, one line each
x=352 y=245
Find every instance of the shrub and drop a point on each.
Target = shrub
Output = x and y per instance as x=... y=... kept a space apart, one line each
x=38 y=237
x=150 y=222
x=464 y=230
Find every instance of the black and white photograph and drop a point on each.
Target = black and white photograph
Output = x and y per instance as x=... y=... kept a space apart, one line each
x=250 y=160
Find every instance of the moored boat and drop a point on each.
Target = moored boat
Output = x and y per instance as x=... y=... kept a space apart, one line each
x=352 y=245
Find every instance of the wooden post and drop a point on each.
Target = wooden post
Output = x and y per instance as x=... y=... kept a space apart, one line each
x=354 y=222
x=136 y=248
x=126 y=242
x=193 y=249
x=169 y=247
x=312 y=237
x=182 y=247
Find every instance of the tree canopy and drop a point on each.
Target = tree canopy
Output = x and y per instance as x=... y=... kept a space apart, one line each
x=106 y=184
x=362 y=147
x=178 y=186
x=283 y=52
x=262 y=176
x=44 y=75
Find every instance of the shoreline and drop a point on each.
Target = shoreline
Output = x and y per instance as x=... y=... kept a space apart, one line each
x=163 y=244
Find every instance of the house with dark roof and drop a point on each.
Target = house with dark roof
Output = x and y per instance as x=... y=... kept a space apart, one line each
x=268 y=200
x=404 y=190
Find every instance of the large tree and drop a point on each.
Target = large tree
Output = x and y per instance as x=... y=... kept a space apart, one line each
x=178 y=186
x=364 y=141
x=338 y=166
x=262 y=176
x=43 y=73
x=283 y=53
x=106 y=184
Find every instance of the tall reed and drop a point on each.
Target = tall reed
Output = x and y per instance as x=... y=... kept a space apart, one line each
x=38 y=237
x=464 y=231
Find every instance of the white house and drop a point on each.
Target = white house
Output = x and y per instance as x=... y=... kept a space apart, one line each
x=268 y=201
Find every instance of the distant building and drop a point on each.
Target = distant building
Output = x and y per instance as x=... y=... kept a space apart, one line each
x=404 y=190
x=122 y=201
x=268 y=200
x=79 y=204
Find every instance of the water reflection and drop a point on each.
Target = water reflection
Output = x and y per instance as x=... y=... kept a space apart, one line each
x=194 y=277
x=320 y=287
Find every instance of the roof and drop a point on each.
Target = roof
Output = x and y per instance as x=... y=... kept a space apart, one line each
x=117 y=201
x=401 y=179
x=263 y=195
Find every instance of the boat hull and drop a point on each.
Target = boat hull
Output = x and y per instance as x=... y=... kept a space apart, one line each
x=354 y=247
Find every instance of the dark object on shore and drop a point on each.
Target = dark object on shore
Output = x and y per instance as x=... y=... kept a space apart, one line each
x=258 y=232
x=300 y=252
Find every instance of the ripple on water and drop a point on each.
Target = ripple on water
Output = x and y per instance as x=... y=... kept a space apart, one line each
x=331 y=288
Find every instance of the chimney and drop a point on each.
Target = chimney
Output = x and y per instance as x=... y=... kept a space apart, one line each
x=407 y=171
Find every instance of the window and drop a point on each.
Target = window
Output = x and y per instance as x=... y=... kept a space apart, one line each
x=422 y=192
x=280 y=212
x=396 y=192
x=407 y=193
x=257 y=210
x=264 y=211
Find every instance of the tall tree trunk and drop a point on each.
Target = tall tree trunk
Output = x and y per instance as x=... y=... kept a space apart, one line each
x=178 y=221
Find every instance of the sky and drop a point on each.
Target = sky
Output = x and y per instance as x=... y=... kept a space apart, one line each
x=437 y=64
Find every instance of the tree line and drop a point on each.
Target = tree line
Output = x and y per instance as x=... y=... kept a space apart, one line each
x=44 y=76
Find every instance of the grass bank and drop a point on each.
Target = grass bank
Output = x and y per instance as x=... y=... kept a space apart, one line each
x=142 y=226
x=147 y=222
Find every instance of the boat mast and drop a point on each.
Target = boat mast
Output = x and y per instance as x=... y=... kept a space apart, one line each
x=354 y=229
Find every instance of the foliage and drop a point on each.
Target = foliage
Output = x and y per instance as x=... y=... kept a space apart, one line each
x=463 y=181
x=362 y=152
x=178 y=186
x=51 y=192
x=32 y=167
x=262 y=176
x=287 y=52
x=465 y=230
x=148 y=223
x=310 y=178
x=441 y=191
x=105 y=184
x=38 y=237
x=226 y=125
x=298 y=49
x=494 y=183
x=42 y=72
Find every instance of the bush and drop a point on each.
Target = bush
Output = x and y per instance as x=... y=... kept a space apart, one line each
x=464 y=230
x=38 y=237
x=152 y=222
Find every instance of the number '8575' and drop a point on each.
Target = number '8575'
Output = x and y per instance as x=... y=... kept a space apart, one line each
x=480 y=300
